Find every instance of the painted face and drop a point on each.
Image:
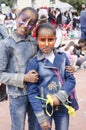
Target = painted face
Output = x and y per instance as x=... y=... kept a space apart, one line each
x=46 y=40
x=26 y=22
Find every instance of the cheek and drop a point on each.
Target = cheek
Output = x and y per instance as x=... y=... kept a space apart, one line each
x=41 y=44
x=51 y=44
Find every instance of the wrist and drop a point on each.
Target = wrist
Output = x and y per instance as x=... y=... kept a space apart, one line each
x=25 y=78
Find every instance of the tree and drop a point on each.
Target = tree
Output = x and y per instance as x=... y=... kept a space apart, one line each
x=9 y=2
x=76 y=3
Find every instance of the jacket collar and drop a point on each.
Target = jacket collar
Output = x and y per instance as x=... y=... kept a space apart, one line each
x=19 y=38
x=41 y=56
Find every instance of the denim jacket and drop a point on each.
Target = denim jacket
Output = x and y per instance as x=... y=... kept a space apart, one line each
x=15 y=52
x=49 y=83
x=3 y=32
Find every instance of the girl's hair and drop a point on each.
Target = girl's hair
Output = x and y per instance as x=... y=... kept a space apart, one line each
x=31 y=9
x=81 y=41
x=72 y=43
x=46 y=26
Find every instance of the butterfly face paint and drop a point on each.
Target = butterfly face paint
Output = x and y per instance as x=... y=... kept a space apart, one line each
x=26 y=21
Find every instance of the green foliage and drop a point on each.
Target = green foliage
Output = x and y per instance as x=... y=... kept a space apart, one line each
x=8 y=2
x=75 y=3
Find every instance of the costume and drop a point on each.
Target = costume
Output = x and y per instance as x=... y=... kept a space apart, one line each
x=50 y=84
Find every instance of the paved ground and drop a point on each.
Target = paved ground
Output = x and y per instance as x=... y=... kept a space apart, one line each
x=76 y=123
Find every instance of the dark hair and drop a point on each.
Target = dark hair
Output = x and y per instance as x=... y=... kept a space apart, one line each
x=81 y=41
x=31 y=9
x=47 y=26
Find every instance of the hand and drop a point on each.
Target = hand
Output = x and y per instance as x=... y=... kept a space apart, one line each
x=45 y=125
x=32 y=76
x=70 y=69
x=56 y=101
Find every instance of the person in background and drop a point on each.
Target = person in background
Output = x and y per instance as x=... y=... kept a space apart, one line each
x=45 y=63
x=3 y=93
x=81 y=54
x=42 y=19
x=58 y=17
x=16 y=51
x=83 y=23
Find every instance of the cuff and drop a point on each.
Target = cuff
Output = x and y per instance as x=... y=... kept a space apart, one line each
x=41 y=117
x=62 y=96
x=18 y=80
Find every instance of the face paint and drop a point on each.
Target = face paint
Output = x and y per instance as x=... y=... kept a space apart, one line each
x=46 y=41
x=24 y=20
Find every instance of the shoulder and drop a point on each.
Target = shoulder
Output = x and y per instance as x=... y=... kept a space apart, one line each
x=60 y=53
x=33 y=61
x=32 y=64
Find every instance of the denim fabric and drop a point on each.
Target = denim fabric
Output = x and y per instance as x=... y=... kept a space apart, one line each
x=3 y=32
x=15 y=52
x=61 y=119
x=19 y=106
x=49 y=82
x=14 y=55
x=83 y=34
x=83 y=24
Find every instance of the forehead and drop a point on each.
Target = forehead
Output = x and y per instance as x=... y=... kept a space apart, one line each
x=29 y=14
x=46 y=32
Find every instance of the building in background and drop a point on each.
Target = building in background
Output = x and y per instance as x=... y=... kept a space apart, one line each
x=35 y=3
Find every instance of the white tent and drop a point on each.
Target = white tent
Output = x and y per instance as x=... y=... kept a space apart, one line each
x=63 y=6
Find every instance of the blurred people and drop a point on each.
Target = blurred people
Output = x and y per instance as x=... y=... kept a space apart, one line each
x=83 y=23
x=58 y=17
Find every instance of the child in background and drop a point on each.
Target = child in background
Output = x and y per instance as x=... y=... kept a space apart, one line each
x=69 y=50
x=80 y=52
x=46 y=62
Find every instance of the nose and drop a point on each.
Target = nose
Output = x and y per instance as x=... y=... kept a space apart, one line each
x=27 y=22
x=46 y=42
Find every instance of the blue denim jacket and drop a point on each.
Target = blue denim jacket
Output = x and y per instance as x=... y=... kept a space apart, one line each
x=3 y=32
x=15 y=52
x=49 y=82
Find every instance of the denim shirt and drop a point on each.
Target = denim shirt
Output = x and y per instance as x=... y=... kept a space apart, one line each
x=49 y=83
x=15 y=53
x=3 y=32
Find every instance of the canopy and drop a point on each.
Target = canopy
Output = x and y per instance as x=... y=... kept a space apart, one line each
x=63 y=6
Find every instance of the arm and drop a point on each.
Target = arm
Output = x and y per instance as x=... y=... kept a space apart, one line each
x=3 y=31
x=67 y=87
x=33 y=91
x=10 y=71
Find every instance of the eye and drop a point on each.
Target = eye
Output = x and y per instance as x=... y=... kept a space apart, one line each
x=42 y=40
x=32 y=23
x=24 y=19
x=51 y=39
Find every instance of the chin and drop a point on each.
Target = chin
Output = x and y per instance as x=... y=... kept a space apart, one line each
x=47 y=52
